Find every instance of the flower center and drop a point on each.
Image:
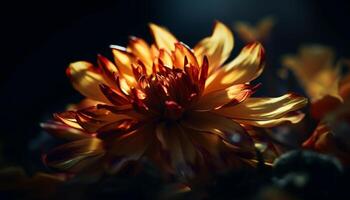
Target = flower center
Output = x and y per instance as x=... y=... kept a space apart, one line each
x=165 y=94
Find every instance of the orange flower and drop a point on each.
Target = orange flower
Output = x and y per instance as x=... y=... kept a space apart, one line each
x=315 y=70
x=331 y=135
x=181 y=108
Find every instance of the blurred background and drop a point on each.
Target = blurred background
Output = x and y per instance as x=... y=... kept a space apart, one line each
x=39 y=40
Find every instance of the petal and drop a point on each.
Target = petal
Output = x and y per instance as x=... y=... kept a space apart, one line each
x=131 y=146
x=163 y=38
x=208 y=144
x=142 y=51
x=175 y=142
x=293 y=117
x=165 y=57
x=60 y=130
x=225 y=128
x=86 y=80
x=68 y=118
x=123 y=60
x=264 y=109
x=94 y=118
x=75 y=156
x=247 y=66
x=217 y=99
x=217 y=47
x=108 y=69
x=115 y=96
x=182 y=51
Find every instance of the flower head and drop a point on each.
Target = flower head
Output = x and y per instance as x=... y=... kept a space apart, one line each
x=178 y=107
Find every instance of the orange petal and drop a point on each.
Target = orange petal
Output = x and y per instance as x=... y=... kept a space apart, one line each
x=265 y=109
x=93 y=118
x=123 y=60
x=182 y=51
x=75 y=156
x=217 y=47
x=225 y=128
x=163 y=38
x=142 y=51
x=68 y=118
x=86 y=80
x=165 y=57
x=132 y=145
x=247 y=66
x=108 y=69
x=217 y=99
x=115 y=96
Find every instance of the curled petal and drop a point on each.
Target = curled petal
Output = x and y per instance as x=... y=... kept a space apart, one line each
x=86 y=80
x=76 y=155
x=265 y=109
x=225 y=128
x=247 y=66
x=163 y=38
x=217 y=99
x=217 y=47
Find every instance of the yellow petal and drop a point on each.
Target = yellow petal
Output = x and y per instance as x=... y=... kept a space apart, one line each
x=247 y=66
x=163 y=38
x=68 y=118
x=219 y=98
x=86 y=80
x=291 y=118
x=75 y=156
x=142 y=51
x=264 y=109
x=217 y=47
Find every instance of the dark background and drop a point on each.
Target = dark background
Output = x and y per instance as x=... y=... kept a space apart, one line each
x=39 y=40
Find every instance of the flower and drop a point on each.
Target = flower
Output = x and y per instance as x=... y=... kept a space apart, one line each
x=331 y=134
x=181 y=108
x=260 y=32
x=315 y=70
